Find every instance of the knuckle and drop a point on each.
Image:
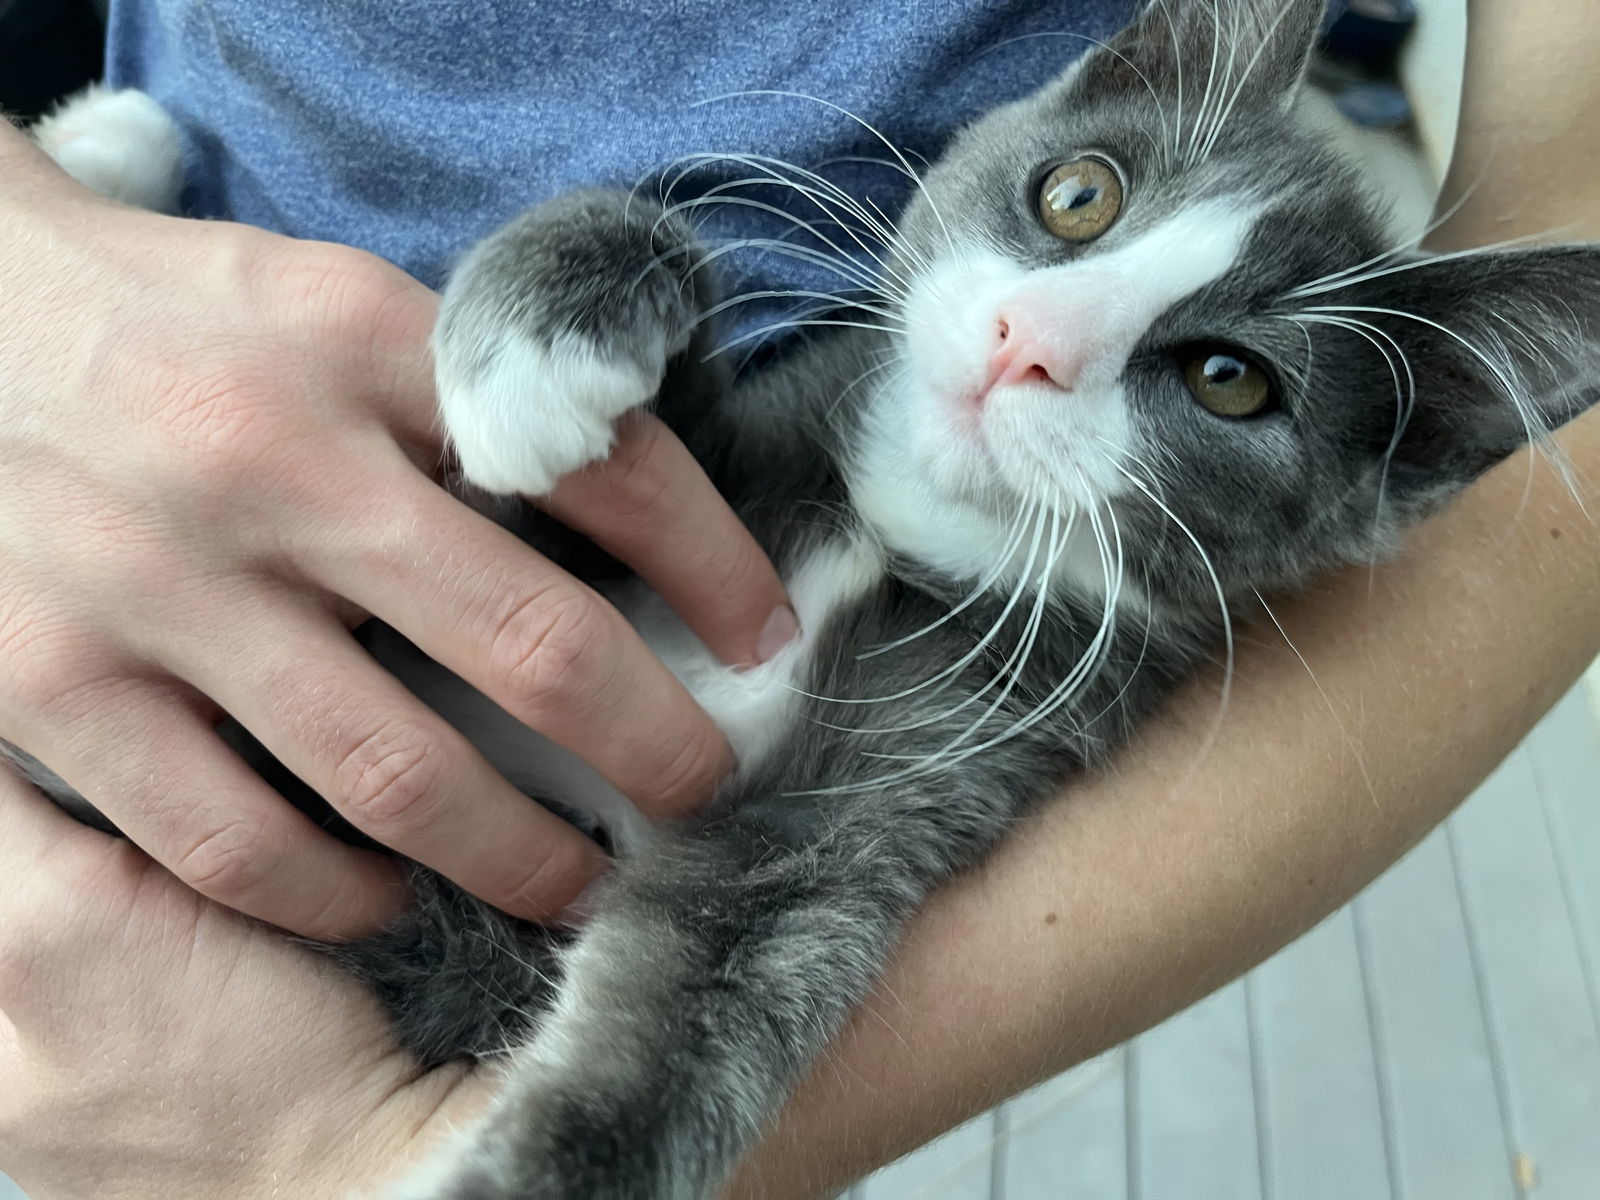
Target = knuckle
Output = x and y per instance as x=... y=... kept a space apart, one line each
x=50 y=681
x=687 y=779
x=20 y=955
x=639 y=478
x=146 y=560
x=734 y=572
x=388 y=780
x=545 y=651
x=546 y=888
x=231 y=861
x=216 y=416
x=342 y=290
x=33 y=668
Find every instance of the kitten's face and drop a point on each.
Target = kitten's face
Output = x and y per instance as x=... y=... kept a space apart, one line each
x=1102 y=315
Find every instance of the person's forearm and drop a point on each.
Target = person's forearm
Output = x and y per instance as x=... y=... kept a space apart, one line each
x=1141 y=891
x=1526 y=154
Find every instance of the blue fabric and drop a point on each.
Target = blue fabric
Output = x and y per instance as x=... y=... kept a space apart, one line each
x=413 y=127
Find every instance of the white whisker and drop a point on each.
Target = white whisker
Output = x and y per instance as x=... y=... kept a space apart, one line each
x=1344 y=732
x=890 y=146
x=1222 y=602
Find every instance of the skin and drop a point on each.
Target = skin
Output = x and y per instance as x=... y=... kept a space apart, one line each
x=236 y=1066
x=220 y=464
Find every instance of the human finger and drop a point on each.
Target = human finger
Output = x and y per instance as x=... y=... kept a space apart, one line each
x=391 y=766
x=652 y=506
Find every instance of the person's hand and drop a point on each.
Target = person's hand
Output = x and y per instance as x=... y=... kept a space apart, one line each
x=215 y=447
x=153 y=1044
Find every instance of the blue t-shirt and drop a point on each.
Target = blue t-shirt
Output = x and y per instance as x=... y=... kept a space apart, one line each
x=411 y=128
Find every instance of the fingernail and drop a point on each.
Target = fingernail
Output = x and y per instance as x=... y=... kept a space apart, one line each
x=781 y=628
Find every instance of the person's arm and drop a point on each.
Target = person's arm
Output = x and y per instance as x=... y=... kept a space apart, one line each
x=1136 y=894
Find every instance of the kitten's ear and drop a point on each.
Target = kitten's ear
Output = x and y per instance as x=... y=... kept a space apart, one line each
x=1487 y=352
x=1206 y=54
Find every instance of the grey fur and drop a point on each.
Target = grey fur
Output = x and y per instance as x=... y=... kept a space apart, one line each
x=722 y=959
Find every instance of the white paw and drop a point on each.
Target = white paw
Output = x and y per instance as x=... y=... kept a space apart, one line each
x=120 y=144
x=522 y=414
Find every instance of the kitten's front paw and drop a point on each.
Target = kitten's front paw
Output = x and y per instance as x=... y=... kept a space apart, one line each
x=523 y=411
x=554 y=326
x=120 y=144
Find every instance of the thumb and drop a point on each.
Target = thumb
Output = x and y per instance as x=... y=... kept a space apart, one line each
x=58 y=880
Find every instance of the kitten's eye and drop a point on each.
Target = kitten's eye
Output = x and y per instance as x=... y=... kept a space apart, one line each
x=1079 y=201
x=1227 y=383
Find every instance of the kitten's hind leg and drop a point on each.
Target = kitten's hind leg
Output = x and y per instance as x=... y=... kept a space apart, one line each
x=120 y=144
x=460 y=978
x=555 y=326
x=720 y=964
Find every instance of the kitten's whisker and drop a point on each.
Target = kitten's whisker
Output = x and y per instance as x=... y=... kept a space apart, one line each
x=955 y=668
x=1201 y=117
x=1084 y=671
x=905 y=164
x=715 y=196
x=1144 y=645
x=718 y=196
x=799 y=293
x=1413 y=244
x=1249 y=70
x=1010 y=670
x=1405 y=405
x=827 y=189
x=1014 y=538
x=1344 y=732
x=1167 y=131
x=1218 y=114
x=849 y=269
x=1405 y=398
x=1534 y=430
x=1177 y=59
x=826 y=196
x=778 y=326
x=1222 y=602
x=895 y=359
x=1335 y=283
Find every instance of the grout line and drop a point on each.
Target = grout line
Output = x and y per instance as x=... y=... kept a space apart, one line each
x=1258 y=1090
x=1379 y=1043
x=1552 y=824
x=1497 y=1057
x=1133 y=1185
x=999 y=1152
x=1591 y=682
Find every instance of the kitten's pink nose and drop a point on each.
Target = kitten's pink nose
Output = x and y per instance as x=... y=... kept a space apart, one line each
x=1022 y=356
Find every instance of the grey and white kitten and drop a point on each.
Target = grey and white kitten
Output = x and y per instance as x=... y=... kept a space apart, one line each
x=1142 y=351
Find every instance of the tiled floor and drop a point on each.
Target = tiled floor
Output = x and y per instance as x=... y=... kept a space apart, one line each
x=1439 y=1039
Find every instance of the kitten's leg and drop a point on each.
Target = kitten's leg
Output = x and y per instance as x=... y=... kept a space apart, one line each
x=718 y=967
x=555 y=326
x=120 y=144
x=460 y=978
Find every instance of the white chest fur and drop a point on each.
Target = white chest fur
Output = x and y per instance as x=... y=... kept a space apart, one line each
x=753 y=708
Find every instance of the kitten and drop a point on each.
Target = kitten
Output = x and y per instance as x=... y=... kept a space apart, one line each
x=1141 y=351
